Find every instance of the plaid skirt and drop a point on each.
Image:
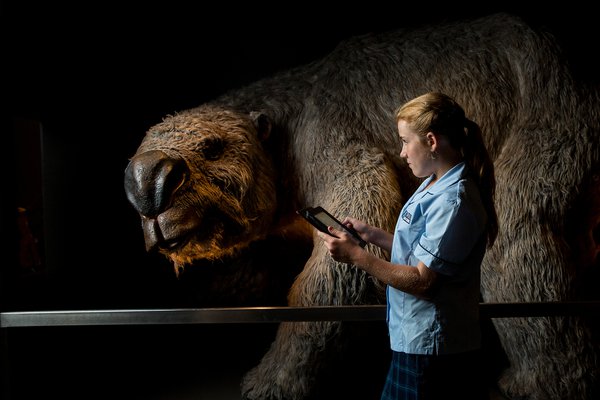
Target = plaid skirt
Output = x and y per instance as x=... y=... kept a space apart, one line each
x=434 y=377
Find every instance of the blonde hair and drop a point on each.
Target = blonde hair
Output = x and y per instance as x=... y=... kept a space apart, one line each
x=439 y=113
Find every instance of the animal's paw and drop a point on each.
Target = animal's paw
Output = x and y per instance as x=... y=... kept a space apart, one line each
x=270 y=382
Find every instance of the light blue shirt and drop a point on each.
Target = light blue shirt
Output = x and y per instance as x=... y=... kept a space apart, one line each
x=444 y=227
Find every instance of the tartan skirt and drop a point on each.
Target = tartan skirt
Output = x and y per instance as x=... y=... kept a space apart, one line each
x=434 y=377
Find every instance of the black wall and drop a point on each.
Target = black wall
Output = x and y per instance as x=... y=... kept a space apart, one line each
x=81 y=83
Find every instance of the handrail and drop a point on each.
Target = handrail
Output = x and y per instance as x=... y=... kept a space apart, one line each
x=192 y=316
x=269 y=314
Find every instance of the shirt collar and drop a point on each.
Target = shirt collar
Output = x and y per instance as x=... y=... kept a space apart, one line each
x=453 y=175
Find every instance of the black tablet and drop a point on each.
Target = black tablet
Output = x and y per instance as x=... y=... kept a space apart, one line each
x=321 y=219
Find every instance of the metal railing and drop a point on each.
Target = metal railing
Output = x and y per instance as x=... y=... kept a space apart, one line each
x=269 y=314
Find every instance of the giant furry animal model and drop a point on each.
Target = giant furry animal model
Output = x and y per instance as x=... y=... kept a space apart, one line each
x=210 y=181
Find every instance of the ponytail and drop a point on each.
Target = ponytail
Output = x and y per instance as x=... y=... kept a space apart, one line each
x=478 y=160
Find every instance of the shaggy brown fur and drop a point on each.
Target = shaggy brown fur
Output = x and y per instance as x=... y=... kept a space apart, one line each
x=210 y=180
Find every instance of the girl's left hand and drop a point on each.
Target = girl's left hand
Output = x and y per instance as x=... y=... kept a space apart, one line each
x=342 y=246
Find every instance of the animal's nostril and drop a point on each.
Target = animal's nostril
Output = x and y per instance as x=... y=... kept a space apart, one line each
x=151 y=179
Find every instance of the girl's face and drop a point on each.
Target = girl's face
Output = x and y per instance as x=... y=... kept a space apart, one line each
x=416 y=152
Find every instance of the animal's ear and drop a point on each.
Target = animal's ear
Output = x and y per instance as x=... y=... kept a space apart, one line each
x=262 y=124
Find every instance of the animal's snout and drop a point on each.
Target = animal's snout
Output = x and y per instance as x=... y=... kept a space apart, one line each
x=151 y=179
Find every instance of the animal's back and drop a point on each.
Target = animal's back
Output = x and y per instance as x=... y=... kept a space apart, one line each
x=495 y=66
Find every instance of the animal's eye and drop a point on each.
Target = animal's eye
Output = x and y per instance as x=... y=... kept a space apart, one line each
x=213 y=148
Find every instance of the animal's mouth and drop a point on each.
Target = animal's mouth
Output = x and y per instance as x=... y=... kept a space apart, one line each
x=202 y=238
x=184 y=235
x=174 y=244
x=170 y=230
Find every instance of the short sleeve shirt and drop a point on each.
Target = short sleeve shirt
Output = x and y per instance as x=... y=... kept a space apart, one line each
x=442 y=226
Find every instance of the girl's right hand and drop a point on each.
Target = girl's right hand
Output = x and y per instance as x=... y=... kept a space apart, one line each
x=359 y=226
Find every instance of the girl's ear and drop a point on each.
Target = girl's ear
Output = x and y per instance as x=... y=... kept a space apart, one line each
x=431 y=140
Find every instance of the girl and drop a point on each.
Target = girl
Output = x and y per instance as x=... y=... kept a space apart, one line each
x=436 y=250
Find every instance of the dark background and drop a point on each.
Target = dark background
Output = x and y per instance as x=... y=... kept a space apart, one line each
x=91 y=78
x=81 y=83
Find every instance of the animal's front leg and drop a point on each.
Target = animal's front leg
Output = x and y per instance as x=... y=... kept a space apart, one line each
x=289 y=369
x=300 y=351
x=368 y=188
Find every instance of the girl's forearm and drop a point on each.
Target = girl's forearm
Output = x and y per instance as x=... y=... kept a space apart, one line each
x=380 y=238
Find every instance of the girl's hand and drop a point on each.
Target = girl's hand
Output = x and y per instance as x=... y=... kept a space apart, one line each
x=342 y=246
x=359 y=226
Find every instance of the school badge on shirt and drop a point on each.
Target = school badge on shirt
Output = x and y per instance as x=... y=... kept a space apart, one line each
x=406 y=216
